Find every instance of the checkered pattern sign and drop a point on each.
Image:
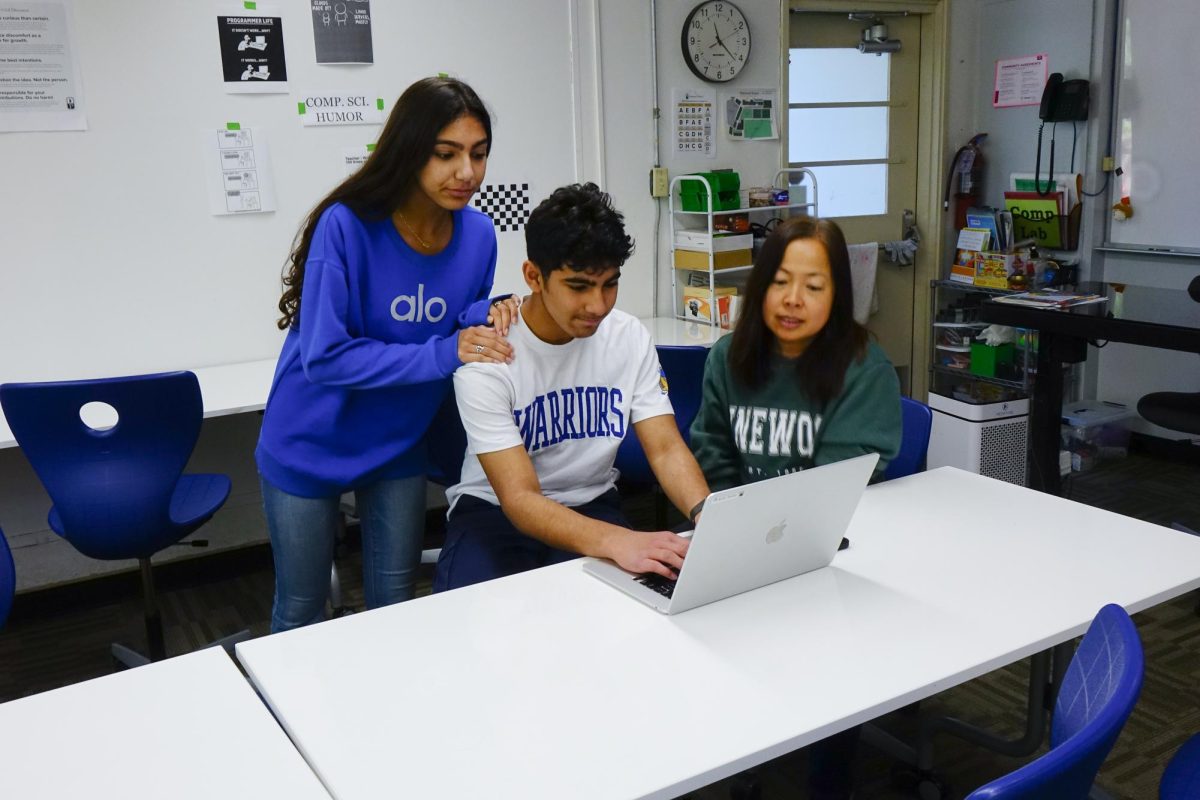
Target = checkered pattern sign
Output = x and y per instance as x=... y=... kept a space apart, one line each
x=506 y=203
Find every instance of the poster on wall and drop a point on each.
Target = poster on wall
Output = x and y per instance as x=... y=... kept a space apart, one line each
x=751 y=114
x=692 y=119
x=252 y=57
x=1019 y=81
x=342 y=31
x=40 y=86
x=238 y=171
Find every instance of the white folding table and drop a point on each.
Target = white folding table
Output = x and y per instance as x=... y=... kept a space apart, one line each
x=188 y=728
x=552 y=684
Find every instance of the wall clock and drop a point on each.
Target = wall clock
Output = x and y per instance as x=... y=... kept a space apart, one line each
x=716 y=41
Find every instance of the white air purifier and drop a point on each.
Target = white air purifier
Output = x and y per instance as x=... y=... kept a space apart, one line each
x=989 y=439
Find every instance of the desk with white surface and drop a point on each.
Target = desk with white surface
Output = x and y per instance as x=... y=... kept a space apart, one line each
x=186 y=728
x=553 y=684
x=226 y=389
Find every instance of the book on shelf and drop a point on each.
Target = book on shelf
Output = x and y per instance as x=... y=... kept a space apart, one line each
x=1050 y=298
x=985 y=219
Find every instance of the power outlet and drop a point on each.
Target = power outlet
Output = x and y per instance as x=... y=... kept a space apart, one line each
x=659 y=183
x=1107 y=164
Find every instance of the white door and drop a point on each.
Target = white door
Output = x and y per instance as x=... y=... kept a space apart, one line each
x=852 y=119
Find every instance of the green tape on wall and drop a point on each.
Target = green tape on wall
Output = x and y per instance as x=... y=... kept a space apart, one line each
x=233 y=126
x=370 y=148
x=250 y=6
x=379 y=103
x=301 y=109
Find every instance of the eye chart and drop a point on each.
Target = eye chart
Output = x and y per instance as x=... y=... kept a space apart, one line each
x=693 y=115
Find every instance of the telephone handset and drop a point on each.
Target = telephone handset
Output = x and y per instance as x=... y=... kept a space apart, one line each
x=1064 y=101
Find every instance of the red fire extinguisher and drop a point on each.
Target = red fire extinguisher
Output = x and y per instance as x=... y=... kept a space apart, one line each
x=965 y=179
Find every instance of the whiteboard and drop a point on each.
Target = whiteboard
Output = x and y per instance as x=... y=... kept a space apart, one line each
x=110 y=262
x=1157 y=120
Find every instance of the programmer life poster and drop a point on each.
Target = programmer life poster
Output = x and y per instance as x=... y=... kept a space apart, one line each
x=252 y=56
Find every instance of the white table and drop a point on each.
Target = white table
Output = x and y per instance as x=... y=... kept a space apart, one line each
x=552 y=684
x=188 y=727
x=675 y=332
x=226 y=389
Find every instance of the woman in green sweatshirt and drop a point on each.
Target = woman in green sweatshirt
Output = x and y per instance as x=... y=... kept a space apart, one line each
x=796 y=385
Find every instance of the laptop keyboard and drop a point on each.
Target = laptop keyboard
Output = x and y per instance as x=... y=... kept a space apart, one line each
x=651 y=580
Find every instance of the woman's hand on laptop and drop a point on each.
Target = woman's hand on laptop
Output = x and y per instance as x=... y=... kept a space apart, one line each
x=660 y=552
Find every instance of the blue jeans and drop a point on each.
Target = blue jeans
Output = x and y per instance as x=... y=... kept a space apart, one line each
x=303 y=530
x=482 y=544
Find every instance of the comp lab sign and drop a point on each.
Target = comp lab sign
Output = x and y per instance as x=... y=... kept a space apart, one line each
x=361 y=108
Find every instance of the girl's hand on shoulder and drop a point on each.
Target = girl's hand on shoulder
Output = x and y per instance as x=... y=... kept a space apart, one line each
x=505 y=313
x=481 y=344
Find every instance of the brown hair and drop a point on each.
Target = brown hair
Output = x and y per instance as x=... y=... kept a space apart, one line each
x=382 y=183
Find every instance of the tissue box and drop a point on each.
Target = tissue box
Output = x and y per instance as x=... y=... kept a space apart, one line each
x=985 y=358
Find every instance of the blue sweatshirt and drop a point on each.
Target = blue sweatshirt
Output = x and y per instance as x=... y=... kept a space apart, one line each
x=370 y=361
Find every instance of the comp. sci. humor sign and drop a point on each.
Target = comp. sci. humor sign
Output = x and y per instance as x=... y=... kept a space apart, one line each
x=335 y=108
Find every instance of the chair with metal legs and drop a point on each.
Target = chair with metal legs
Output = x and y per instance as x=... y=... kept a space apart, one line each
x=119 y=491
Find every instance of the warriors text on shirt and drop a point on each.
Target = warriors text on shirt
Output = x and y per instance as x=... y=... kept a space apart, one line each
x=580 y=412
x=774 y=431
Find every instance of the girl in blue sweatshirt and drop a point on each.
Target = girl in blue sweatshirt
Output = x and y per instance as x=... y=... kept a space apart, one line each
x=386 y=295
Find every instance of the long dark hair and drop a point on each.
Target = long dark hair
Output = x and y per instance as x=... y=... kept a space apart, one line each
x=821 y=369
x=382 y=183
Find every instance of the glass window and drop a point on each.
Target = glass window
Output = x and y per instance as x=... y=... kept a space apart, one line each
x=838 y=75
x=837 y=134
x=838 y=113
x=852 y=190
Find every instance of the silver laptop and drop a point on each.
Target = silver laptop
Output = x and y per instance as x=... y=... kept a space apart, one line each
x=754 y=535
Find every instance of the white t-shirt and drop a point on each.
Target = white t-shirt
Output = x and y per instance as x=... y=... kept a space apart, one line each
x=569 y=405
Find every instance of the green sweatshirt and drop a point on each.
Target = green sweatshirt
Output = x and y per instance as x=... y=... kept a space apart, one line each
x=741 y=436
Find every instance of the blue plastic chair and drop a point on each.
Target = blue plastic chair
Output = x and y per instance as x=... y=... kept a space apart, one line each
x=119 y=493
x=1097 y=695
x=683 y=368
x=1181 y=779
x=916 y=423
x=8 y=580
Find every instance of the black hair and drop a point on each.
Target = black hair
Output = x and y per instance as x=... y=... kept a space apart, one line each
x=389 y=173
x=577 y=227
x=821 y=369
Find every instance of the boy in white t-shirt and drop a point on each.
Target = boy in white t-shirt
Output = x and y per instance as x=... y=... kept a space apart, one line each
x=538 y=484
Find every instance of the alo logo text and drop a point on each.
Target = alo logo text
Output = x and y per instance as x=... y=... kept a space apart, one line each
x=406 y=308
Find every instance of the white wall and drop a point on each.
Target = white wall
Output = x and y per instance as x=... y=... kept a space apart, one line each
x=756 y=161
x=112 y=264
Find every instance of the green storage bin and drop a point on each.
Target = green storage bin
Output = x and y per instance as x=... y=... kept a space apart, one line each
x=985 y=358
x=693 y=195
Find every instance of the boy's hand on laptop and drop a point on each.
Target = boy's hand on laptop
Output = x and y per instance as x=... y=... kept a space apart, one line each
x=481 y=344
x=660 y=552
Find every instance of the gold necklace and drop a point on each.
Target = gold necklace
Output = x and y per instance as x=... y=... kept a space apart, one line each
x=426 y=245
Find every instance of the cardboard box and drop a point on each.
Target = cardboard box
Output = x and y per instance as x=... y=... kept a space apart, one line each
x=697 y=259
x=706 y=242
x=992 y=270
x=698 y=303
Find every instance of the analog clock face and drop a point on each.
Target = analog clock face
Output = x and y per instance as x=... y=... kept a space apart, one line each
x=716 y=41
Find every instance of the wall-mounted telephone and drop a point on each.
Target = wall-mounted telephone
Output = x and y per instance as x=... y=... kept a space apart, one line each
x=1064 y=101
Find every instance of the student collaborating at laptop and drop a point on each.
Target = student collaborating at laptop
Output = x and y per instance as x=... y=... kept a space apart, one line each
x=798 y=384
x=538 y=483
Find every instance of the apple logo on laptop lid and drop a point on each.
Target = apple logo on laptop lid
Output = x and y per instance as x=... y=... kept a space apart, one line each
x=775 y=532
